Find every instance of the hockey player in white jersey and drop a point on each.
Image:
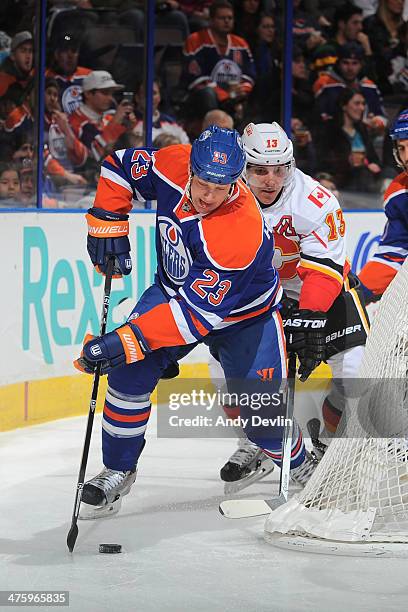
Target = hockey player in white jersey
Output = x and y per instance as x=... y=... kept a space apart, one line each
x=310 y=256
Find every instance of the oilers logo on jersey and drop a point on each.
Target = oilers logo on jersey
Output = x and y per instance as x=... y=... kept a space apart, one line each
x=176 y=259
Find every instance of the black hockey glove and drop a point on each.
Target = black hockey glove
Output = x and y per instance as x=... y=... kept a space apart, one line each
x=107 y=236
x=306 y=336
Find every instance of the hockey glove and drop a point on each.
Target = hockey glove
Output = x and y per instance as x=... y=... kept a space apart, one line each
x=305 y=336
x=120 y=347
x=108 y=235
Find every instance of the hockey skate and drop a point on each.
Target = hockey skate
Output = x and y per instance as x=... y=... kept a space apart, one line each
x=302 y=474
x=102 y=495
x=247 y=465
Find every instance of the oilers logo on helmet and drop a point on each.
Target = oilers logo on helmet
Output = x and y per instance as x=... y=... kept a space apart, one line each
x=217 y=156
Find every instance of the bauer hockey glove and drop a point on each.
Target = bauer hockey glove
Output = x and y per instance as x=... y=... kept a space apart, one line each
x=305 y=336
x=107 y=236
x=120 y=347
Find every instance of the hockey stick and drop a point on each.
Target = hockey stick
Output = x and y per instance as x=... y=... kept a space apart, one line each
x=245 y=508
x=73 y=532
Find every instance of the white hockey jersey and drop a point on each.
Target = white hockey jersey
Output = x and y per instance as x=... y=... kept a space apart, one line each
x=310 y=250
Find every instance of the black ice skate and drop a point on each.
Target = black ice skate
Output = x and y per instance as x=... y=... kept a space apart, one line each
x=102 y=495
x=247 y=465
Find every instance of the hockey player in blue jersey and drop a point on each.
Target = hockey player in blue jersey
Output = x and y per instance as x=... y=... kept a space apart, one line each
x=215 y=283
x=392 y=251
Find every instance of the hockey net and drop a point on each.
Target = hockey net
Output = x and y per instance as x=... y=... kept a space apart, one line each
x=358 y=494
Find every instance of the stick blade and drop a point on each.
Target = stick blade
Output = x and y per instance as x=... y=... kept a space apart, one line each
x=72 y=536
x=244 y=508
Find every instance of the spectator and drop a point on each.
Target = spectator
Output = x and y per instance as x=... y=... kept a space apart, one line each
x=9 y=185
x=303 y=147
x=346 y=73
x=162 y=123
x=197 y=12
x=66 y=72
x=18 y=67
x=302 y=91
x=5 y=42
x=91 y=122
x=218 y=117
x=247 y=17
x=218 y=65
x=327 y=180
x=63 y=145
x=307 y=31
x=399 y=63
x=165 y=140
x=27 y=191
x=21 y=119
x=344 y=146
x=265 y=97
x=383 y=32
x=348 y=27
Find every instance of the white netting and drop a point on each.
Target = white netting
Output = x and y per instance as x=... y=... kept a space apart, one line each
x=359 y=492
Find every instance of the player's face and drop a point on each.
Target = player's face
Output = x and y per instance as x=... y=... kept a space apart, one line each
x=402 y=149
x=266 y=182
x=9 y=184
x=23 y=57
x=207 y=197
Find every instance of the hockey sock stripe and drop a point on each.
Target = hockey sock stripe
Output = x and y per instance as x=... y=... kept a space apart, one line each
x=132 y=403
x=125 y=418
x=232 y=412
x=122 y=432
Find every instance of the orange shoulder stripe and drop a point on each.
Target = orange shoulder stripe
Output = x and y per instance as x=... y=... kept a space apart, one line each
x=172 y=163
x=113 y=197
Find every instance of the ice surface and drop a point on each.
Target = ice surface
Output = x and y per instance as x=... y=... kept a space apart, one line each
x=179 y=553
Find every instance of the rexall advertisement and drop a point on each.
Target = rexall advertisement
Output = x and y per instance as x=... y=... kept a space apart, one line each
x=51 y=296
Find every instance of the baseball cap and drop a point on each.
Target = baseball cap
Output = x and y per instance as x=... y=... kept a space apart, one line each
x=100 y=79
x=351 y=50
x=67 y=41
x=20 y=38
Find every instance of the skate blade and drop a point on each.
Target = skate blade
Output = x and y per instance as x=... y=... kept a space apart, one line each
x=89 y=513
x=230 y=488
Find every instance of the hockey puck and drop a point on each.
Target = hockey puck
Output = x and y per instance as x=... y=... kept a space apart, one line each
x=110 y=548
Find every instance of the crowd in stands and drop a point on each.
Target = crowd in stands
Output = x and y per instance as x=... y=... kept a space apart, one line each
x=215 y=62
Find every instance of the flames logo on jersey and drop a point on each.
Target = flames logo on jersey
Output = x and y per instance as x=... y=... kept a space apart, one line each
x=286 y=256
x=175 y=257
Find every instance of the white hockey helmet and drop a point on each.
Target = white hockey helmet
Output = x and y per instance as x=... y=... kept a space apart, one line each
x=266 y=144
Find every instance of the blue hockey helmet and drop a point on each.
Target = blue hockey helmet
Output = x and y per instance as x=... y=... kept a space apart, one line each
x=217 y=155
x=399 y=131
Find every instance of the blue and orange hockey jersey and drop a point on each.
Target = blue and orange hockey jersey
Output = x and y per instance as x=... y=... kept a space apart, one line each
x=329 y=86
x=206 y=65
x=216 y=269
x=393 y=248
